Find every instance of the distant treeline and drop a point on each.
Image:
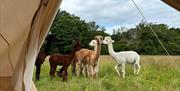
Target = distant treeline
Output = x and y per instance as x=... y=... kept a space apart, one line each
x=67 y=27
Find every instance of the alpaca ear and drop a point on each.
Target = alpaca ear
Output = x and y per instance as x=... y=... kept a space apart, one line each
x=112 y=41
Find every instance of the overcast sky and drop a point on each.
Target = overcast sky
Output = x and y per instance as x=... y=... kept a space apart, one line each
x=116 y=13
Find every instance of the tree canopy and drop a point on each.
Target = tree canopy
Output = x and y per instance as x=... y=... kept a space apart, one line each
x=67 y=27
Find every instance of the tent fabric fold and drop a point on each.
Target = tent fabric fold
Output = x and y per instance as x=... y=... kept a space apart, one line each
x=23 y=27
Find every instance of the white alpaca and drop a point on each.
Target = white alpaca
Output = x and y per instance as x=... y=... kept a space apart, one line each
x=123 y=57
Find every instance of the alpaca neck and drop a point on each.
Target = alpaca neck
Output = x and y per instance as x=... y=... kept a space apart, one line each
x=97 y=50
x=72 y=55
x=76 y=48
x=110 y=49
x=48 y=46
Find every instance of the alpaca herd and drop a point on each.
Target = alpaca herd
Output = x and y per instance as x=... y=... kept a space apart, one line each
x=86 y=61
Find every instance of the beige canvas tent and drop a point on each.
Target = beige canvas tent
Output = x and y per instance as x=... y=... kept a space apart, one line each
x=23 y=27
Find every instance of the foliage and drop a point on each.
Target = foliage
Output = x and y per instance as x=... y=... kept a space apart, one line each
x=67 y=27
x=142 y=39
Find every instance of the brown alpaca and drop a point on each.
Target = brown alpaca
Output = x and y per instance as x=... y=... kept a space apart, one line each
x=78 y=58
x=87 y=60
x=62 y=60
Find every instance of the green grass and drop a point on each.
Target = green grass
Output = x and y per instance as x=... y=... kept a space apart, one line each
x=158 y=73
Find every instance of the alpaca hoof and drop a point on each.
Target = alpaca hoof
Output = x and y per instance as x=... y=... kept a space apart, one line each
x=64 y=79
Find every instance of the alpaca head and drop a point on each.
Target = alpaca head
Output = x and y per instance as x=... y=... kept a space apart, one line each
x=107 y=40
x=77 y=45
x=99 y=38
x=93 y=43
x=51 y=37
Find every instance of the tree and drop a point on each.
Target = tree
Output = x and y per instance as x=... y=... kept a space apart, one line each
x=67 y=27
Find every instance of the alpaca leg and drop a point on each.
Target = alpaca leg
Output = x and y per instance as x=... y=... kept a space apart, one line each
x=65 y=75
x=52 y=71
x=73 y=66
x=78 y=69
x=90 y=71
x=117 y=70
x=38 y=69
x=134 y=68
x=60 y=72
x=96 y=71
x=82 y=69
x=87 y=71
x=137 y=68
x=123 y=70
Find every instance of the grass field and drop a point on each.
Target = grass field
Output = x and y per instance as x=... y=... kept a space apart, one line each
x=158 y=73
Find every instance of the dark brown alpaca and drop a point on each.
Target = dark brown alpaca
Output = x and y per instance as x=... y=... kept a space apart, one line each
x=43 y=54
x=62 y=60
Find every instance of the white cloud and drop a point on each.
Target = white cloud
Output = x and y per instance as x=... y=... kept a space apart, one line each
x=113 y=13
